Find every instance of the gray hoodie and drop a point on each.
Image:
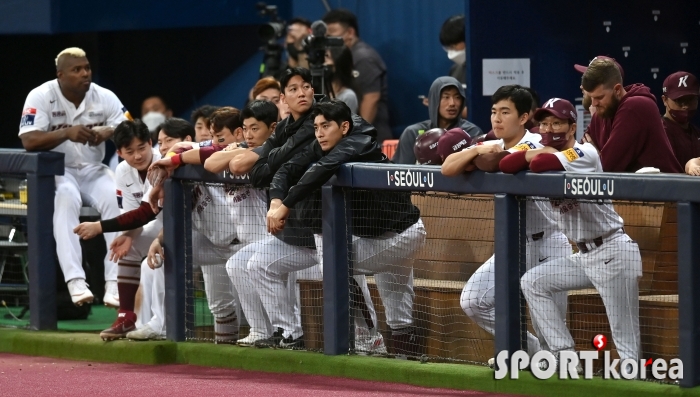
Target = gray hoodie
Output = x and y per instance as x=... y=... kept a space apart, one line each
x=404 y=152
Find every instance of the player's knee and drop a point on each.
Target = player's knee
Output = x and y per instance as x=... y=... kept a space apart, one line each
x=528 y=283
x=469 y=303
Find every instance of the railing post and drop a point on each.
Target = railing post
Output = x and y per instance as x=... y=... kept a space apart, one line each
x=509 y=246
x=688 y=293
x=337 y=262
x=42 y=262
x=178 y=260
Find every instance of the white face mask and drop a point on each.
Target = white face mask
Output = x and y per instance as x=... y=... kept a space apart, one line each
x=153 y=120
x=458 y=57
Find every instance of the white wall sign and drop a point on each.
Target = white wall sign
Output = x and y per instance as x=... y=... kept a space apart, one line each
x=500 y=72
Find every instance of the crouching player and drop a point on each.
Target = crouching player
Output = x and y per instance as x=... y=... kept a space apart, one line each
x=386 y=225
x=224 y=220
x=607 y=259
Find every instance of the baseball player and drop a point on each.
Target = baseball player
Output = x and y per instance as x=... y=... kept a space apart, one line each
x=510 y=112
x=214 y=238
x=608 y=260
x=74 y=116
x=386 y=225
x=133 y=142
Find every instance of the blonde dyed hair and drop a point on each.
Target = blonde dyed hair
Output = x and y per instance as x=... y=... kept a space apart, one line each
x=72 y=51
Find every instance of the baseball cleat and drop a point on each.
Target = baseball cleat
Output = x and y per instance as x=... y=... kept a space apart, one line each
x=292 y=344
x=369 y=341
x=79 y=292
x=125 y=323
x=250 y=340
x=144 y=333
x=273 y=341
x=491 y=363
x=111 y=298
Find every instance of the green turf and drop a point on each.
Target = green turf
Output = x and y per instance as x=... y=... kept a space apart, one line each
x=81 y=346
x=101 y=317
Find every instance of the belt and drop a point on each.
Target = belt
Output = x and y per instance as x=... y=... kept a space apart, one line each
x=537 y=236
x=589 y=245
x=235 y=241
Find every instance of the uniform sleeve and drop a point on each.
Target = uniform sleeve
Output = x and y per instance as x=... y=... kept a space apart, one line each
x=114 y=108
x=546 y=162
x=35 y=116
x=125 y=199
x=290 y=173
x=578 y=159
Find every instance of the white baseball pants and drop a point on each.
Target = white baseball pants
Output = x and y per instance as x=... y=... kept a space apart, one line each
x=151 y=312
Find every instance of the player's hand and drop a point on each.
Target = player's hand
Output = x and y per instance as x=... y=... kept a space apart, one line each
x=587 y=139
x=277 y=218
x=155 y=198
x=88 y=230
x=231 y=146
x=119 y=248
x=102 y=133
x=157 y=175
x=80 y=134
x=182 y=146
x=166 y=163
x=486 y=149
x=152 y=260
x=694 y=170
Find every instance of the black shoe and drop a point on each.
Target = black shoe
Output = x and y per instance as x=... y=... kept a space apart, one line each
x=292 y=344
x=273 y=341
x=406 y=343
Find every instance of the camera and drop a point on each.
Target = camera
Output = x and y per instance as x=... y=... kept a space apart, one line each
x=273 y=30
x=316 y=44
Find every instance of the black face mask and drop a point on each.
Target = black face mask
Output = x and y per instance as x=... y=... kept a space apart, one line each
x=292 y=51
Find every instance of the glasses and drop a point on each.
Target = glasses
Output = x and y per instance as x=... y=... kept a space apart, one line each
x=555 y=126
x=686 y=101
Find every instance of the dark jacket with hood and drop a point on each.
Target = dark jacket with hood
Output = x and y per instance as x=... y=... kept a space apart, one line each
x=374 y=212
x=635 y=136
x=404 y=153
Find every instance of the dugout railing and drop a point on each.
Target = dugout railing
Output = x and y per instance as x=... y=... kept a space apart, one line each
x=508 y=239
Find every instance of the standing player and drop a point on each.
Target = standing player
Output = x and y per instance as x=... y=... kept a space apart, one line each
x=133 y=141
x=608 y=260
x=386 y=225
x=74 y=116
x=510 y=112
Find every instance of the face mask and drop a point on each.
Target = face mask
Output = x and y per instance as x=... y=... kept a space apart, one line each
x=682 y=116
x=153 y=120
x=556 y=140
x=292 y=51
x=458 y=57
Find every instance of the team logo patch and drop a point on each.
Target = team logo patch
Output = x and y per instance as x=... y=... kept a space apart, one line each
x=527 y=145
x=572 y=154
x=119 y=199
x=28 y=116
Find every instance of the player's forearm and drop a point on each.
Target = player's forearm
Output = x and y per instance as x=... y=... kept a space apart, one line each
x=133 y=219
x=489 y=162
x=191 y=157
x=457 y=163
x=220 y=161
x=243 y=163
x=368 y=106
x=41 y=140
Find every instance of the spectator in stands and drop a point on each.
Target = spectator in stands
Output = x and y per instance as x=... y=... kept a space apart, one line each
x=340 y=62
x=387 y=232
x=269 y=89
x=200 y=119
x=680 y=96
x=297 y=30
x=452 y=38
x=446 y=101
x=625 y=128
x=371 y=80
x=55 y=117
x=154 y=111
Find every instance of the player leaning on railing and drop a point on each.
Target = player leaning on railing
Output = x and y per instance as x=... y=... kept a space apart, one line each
x=608 y=260
x=387 y=227
x=510 y=112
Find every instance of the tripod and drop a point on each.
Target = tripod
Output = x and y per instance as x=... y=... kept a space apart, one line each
x=321 y=81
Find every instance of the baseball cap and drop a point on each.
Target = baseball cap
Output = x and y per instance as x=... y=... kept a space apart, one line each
x=557 y=107
x=681 y=84
x=582 y=68
x=453 y=141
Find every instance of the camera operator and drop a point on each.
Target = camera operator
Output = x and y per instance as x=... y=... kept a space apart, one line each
x=298 y=29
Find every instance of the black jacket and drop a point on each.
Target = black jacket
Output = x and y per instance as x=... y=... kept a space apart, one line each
x=374 y=212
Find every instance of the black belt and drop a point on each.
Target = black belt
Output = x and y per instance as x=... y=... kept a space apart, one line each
x=537 y=236
x=235 y=241
x=598 y=241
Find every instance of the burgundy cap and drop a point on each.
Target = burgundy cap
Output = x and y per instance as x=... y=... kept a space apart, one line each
x=426 y=147
x=681 y=84
x=582 y=68
x=453 y=141
x=557 y=107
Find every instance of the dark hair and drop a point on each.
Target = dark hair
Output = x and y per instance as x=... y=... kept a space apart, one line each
x=300 y=20
x=261 y=110
x=535 y=98
x=519 y=95
x=452 y=31
x=287 y=75
x=265 y=84
x=333 y=110
x=127 y=130
x=160 y=98
x=343 y=17
x=203 y=112
x=226 y=116
x=601 y=71
x=343 y=66
x=177 y=128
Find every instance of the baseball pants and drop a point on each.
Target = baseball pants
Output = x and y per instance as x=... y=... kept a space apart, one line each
x=151 y=310
x=613 y=269
x=478 y=298
x=93 y=185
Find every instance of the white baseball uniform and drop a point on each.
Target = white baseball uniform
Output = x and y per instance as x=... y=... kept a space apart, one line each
x=544 y=242
x=608 y=260
x=86 y=179
x=151 y=311
x=225 y=220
